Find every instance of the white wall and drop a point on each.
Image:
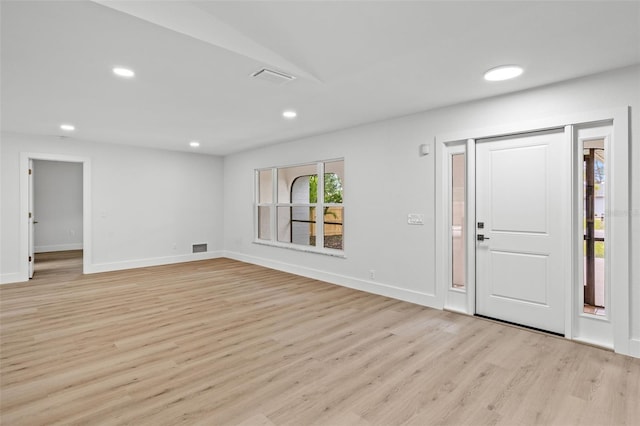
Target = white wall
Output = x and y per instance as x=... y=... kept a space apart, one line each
x=386 y=179
x=145 y=201
x=57 y=187
x=148 y=206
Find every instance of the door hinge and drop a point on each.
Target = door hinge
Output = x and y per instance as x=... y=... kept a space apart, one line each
x=29 y=171
x=29 y=258
x=29 y=215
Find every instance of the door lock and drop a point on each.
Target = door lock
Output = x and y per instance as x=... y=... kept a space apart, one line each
x=481 y=237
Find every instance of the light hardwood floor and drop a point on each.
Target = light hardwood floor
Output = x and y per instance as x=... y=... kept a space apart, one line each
x=221 y=342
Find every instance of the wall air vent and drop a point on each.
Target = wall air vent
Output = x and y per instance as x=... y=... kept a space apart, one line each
x=273 y=77
x=199 y=248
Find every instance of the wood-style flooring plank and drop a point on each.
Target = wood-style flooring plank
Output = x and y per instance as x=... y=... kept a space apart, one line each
x=221 y=342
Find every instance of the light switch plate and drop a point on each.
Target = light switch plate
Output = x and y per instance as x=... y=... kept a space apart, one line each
x=415 y=219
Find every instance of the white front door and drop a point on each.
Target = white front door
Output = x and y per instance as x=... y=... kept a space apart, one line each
x=522 y=214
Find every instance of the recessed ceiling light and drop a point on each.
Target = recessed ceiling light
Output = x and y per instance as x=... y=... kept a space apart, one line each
x=68 y=127
x=504 y=72
x=194 y=144
x=289 y=114
x=123 y=72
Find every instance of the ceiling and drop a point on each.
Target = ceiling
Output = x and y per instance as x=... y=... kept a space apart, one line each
x=354 y=62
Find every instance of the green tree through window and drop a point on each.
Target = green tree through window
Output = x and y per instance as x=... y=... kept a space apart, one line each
x=332 y=188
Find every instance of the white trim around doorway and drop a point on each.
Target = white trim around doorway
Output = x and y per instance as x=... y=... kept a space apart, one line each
x=24 y=207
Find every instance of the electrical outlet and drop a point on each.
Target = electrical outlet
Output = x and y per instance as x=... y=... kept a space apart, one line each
x=415 y=219
x=372 y=274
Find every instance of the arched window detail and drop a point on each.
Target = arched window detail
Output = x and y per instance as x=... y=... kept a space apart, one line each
x=303 y=218
x=304 y=189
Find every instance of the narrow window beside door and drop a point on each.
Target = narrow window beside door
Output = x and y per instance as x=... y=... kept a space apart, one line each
x=594 y=227
x=457 y=220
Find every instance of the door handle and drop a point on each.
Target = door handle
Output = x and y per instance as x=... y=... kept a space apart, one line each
x=481 y=237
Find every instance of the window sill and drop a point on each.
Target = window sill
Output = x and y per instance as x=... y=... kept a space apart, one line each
x=305 y=249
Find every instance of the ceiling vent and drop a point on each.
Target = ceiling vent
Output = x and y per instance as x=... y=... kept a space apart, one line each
x=273 y=77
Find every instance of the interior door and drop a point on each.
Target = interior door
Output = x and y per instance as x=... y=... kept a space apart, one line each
x=31 y=222
x=520 y=214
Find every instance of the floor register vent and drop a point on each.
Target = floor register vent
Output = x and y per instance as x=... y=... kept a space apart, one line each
x=199 y=248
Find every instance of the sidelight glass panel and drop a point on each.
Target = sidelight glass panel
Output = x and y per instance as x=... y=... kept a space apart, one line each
x=457 y=220
x=594 y=227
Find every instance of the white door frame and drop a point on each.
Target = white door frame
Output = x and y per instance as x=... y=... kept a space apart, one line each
x=618 y=235
x=25 y=157
x=31 y=221
x=592 y=329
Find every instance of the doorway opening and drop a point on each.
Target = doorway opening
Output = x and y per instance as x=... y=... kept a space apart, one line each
x=56 y=266
x=57 y=215
x=29 y=221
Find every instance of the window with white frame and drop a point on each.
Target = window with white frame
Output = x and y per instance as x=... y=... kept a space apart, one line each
x=291 y=211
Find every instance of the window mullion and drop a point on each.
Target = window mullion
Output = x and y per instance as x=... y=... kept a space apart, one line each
x=256 y=203
x=274 y=202
x=320 y=207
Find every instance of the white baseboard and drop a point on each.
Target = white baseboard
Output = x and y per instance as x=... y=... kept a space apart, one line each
x=16 y=277
x=634 y=348
x=368 y=286
x=13 y=277
x=58 y=247
x=155 y=261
